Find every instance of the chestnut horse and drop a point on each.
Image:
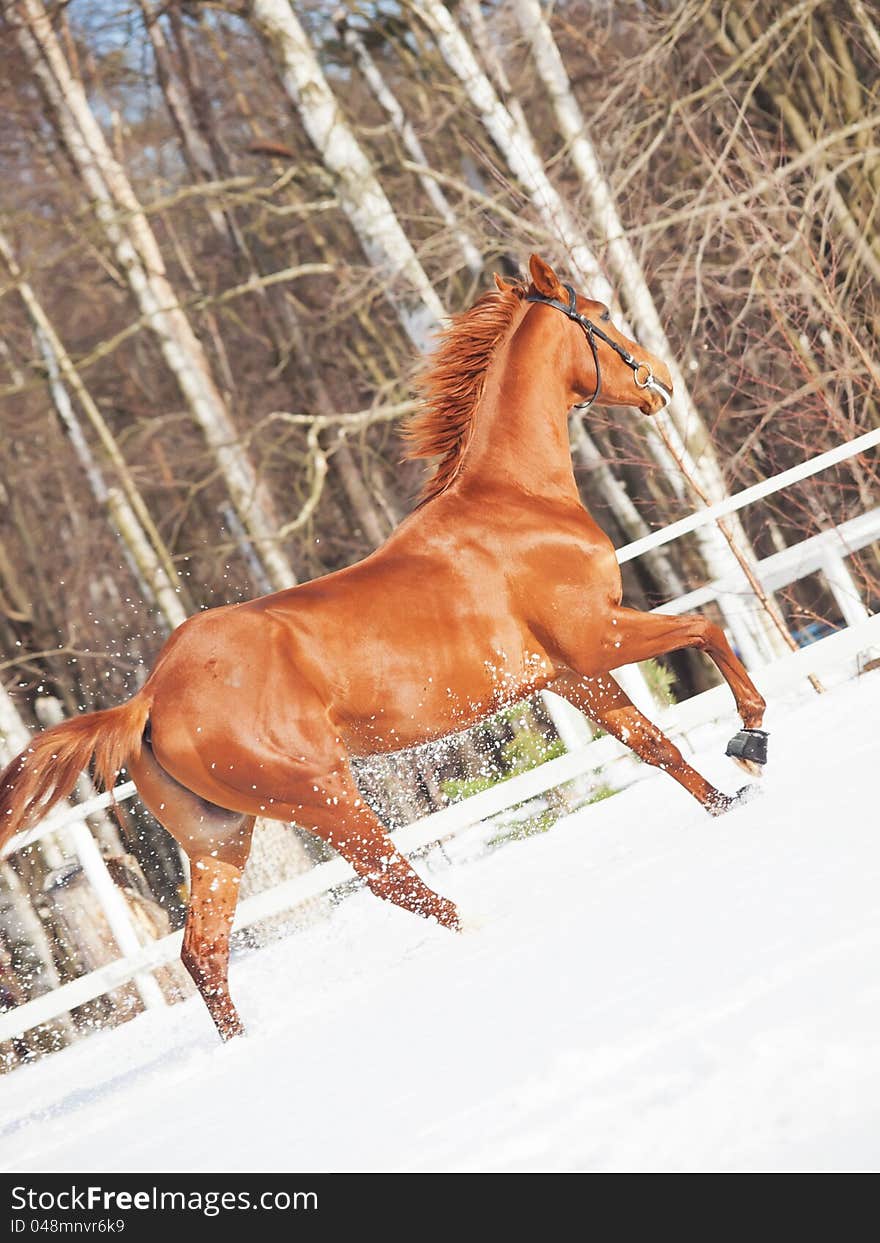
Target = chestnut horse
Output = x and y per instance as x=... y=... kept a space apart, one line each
x=498 y=585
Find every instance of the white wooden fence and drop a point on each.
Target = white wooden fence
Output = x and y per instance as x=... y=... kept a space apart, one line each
x=838 y=653
x=825 y=553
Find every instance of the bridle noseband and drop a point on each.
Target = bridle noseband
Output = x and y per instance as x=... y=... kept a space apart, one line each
x=591 y=331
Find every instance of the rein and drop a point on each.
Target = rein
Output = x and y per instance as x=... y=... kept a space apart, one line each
x=591 y=331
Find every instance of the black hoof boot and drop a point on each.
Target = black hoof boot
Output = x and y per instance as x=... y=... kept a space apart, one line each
x=749 y=749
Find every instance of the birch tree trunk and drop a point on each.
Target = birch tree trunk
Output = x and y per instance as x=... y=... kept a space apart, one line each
x=128 y=231
x=202 y=160
x=692 y=436
x=152 y=570
x=622 y=505
x=513 y=140
x=361 y=197
x=143 y=544
x=389 y=104
x=272 y=853
x=206 y=153
x=196 y=152
x=755 y=637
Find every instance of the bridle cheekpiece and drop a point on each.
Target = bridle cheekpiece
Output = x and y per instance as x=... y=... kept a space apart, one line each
x=591 y=331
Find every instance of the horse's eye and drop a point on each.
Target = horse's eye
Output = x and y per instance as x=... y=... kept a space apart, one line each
x=605 y=317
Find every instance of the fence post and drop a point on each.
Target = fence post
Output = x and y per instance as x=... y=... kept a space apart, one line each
x=113 y=904
x=569 y=722
x=843 y=587
x=115 y=909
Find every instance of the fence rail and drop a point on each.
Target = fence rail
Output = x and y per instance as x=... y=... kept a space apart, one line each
x=826 y=553
x=757 y=492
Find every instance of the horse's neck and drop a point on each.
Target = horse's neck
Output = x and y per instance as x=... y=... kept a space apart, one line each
x=520 y=438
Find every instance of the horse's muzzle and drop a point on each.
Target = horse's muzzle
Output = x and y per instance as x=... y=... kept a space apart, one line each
x=659 y=397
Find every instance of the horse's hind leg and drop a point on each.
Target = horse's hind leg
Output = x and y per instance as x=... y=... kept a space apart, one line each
x=336 y=812
x=605 y=703
x=205 y=954
x=217 y=842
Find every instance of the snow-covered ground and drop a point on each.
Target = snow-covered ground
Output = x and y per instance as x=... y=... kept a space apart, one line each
x=645 y=988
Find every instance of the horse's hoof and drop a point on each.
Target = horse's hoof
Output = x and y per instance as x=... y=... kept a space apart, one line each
x=447 y=915
x=230 y=1028
x=719 y=803
x=746 y=794
x=726 y=802
x=750 y=767
x=749 y=749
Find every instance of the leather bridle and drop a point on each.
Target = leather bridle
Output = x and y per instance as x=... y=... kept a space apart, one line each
x=591 y=331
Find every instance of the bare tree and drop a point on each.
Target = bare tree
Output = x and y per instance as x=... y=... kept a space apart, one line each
x=361 y=196
x=134 y=525
x=139 y=257
x=411 y=144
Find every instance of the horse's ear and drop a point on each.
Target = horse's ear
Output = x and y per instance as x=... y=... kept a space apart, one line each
x=544 y=278
x=504 y=286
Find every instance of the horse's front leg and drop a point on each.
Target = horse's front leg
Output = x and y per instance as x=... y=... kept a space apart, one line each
x=603 y=701
x=633 y=636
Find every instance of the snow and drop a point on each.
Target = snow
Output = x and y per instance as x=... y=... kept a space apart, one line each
x=641 y=988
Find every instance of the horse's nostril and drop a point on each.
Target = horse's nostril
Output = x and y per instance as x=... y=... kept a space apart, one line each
x=660 y=394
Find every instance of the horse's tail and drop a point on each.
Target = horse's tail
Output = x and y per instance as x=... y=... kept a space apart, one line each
x=46 y=771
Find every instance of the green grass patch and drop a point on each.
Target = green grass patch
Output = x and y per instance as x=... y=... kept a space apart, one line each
x=544 y=820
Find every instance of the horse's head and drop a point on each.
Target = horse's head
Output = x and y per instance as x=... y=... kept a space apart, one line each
x=602 y=364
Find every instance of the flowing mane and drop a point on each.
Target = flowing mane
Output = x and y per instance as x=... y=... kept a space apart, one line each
x=451 y=385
